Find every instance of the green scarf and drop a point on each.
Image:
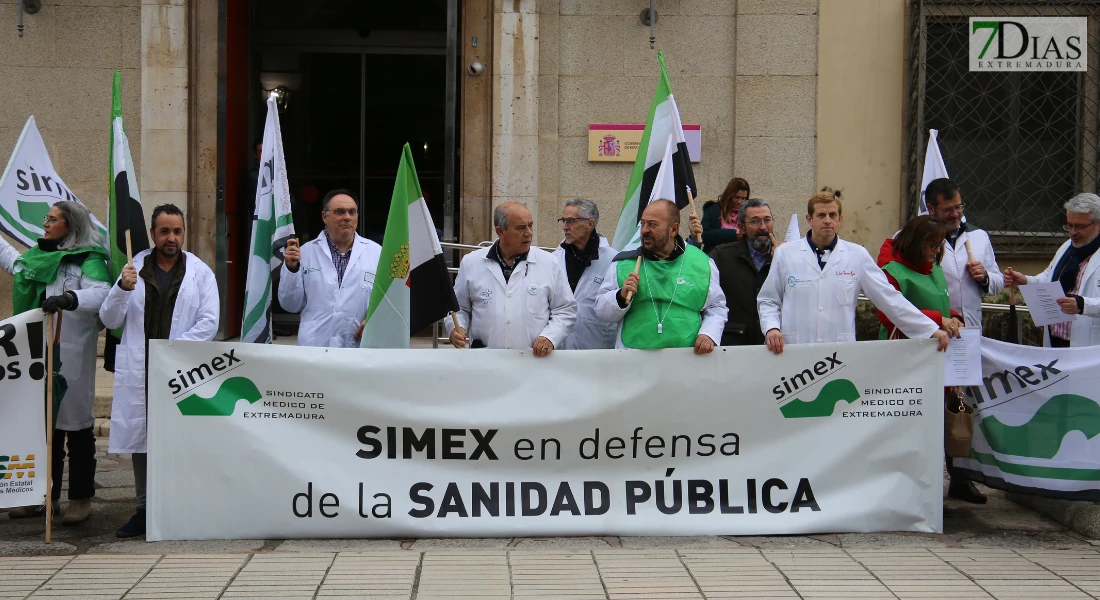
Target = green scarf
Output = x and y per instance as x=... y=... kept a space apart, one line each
x=37 y=268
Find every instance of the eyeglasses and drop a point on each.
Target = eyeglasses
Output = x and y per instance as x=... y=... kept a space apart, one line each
x=571 y=220
x=759 y=222
x=952 y=209
x=1070 y=227
x=344 y=212
x=51 y=220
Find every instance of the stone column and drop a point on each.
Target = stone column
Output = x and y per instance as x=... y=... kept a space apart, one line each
x=164 y=50
x=515 y=154
x=775 y=144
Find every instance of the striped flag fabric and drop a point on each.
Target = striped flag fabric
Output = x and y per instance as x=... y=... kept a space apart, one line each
x=412 y=288
x=663 y=121
x=272 y=226
x=125 y=212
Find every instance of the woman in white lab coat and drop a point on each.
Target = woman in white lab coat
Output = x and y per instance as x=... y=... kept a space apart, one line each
x=67 y=271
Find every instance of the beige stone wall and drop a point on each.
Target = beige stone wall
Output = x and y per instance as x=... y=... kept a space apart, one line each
x=777 y=77
x=61 y=72
x=860 y=113
x=733 y=67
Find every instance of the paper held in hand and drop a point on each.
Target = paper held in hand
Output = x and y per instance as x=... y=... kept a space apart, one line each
x=1042 y=301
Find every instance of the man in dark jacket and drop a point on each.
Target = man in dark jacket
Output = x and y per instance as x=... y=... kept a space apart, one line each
x=742 y=268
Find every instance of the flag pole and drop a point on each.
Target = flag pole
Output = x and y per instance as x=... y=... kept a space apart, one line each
x=51 y=338
x=969 y=252
x=691 y=203
x=637 y=266
x=454 y=320
x=129 y=249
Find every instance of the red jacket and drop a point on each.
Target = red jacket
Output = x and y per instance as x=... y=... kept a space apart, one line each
x=887 y=255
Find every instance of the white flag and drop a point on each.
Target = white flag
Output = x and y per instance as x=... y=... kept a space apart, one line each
x=272 y=226
x=29 y=187
x=664 y=186
x=933 y=167
x=793 y=233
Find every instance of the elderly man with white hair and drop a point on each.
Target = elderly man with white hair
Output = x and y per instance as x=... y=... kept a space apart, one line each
x=585 y=255
x=1077 y=269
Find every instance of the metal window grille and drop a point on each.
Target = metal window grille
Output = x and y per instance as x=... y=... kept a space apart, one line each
x=1018 y=144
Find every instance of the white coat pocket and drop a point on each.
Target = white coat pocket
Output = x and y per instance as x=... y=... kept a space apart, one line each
x=538 y=303
x=846 y=292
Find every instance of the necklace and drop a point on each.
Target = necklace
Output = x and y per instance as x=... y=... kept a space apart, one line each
x=653 y=300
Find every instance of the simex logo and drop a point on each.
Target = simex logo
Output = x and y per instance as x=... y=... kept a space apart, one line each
x=222 y=403
x=837 y=390
x=11 y=466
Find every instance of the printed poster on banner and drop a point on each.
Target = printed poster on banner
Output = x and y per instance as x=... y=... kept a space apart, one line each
x=1037 y=423
x=23 y=410
x=251 y=441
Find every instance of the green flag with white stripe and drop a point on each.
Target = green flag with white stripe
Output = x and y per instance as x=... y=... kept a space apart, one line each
x=272 y=226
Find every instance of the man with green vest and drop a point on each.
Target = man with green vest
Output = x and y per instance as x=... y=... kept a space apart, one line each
x=675 y=299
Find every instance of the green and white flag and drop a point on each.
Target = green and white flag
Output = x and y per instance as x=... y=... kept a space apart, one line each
x=28 y=188
x=125 y=211
x=412 y=288
x=663 y=121
x=272 y=226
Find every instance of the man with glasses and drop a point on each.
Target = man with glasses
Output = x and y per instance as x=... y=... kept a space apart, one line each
x=742 y=269
x=967 y=279
x=585 y=255
x=328 y=280
x=1073 y=266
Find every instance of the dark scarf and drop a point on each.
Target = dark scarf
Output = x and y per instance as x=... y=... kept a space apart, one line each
x=953 y=236
x=576 y=261
x=1070 y=265
x=159 y=326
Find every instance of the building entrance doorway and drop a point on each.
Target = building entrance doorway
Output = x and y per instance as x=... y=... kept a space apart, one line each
x=355 y=81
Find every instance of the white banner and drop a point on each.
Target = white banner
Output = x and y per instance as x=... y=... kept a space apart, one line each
x=29 y=186
x=23 y=410
x=427 y=443
x=1037 y=425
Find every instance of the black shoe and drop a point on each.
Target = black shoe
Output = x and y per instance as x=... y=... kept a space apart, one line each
x=134 y=527
x=965 y=490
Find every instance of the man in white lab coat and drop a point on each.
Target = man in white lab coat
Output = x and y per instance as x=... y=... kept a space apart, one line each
x=167 y=294
x=967 y=280
x=329 y=279
x=585 y=255
x=675 y=301
x=811 y=291
x=1076 y=267
x=512 y=295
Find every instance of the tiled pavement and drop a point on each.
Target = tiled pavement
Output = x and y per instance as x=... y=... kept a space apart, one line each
x=565 y=574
